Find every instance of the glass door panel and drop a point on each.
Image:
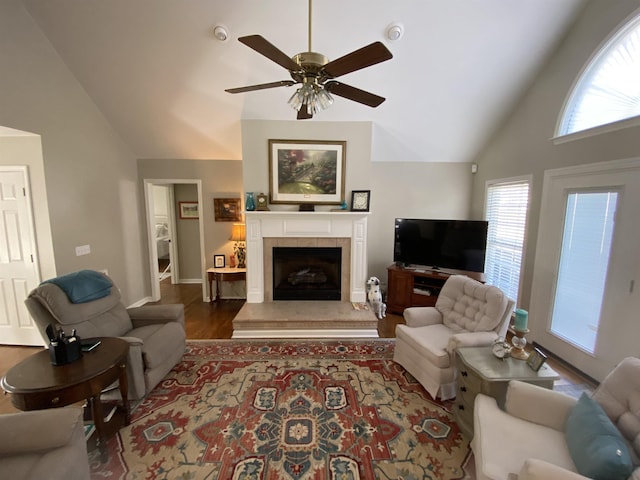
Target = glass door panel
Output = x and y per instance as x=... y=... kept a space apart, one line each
x=589 y=222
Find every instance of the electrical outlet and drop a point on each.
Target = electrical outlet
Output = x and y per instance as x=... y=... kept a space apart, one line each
x=83 y=250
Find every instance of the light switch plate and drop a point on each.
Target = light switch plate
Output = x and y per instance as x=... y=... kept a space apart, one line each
x=83 y=250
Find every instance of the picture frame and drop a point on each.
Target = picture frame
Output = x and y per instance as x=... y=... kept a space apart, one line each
x=189 y=210
x=218 y=261
x=536 y=359
x=307 y=172
x=227 y=209
x=360 y=200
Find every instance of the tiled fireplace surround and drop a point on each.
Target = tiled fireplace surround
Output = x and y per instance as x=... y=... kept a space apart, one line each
x=266 y=230
x=261 y=317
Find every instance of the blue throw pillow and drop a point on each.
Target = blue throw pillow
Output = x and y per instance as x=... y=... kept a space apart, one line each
x=596 y=445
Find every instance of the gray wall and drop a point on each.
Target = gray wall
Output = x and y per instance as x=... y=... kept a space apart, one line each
x=220 y=179
x=91 y=179
x=412 y=190
x=524 y=145
x=188 y=233
x=398 y=189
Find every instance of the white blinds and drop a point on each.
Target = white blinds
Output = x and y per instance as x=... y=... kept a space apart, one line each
x=609 y=89
x=584 y=262
x=506 y=211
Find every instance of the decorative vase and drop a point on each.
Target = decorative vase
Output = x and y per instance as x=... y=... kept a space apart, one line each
x=250 y=203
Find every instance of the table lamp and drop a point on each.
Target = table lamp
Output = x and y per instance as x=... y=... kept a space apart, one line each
x=238 y=235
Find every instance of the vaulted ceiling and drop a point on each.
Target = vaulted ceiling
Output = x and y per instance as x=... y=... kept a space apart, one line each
x=155 y=70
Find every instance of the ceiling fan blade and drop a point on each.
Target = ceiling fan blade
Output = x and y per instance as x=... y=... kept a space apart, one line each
x=303 y=114
x=353 y=93
x=361 y=58
x=261 y=86
x=264 y=47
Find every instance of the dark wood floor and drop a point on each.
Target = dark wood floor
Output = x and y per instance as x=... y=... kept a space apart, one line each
x=214 y=321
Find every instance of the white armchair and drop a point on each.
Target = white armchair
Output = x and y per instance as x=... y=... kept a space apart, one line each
x=466 y=314
x=528 y=440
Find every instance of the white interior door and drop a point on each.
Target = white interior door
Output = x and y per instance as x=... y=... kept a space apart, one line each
x=18 y=263
x=584 y=304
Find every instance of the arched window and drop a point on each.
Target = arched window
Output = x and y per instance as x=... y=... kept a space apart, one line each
x=608 y=89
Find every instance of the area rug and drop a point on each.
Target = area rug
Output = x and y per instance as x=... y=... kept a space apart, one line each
x=251 y=410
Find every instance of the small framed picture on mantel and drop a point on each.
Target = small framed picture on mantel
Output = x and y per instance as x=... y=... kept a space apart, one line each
x=360 y=200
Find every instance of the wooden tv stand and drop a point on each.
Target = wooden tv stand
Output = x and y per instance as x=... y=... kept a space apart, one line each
x=418 y=287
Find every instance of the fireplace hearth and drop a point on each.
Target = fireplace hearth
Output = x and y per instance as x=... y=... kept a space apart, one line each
x=307 y=273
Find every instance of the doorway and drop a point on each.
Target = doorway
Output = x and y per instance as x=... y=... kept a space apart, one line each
x=18 y=257
x=164 y=236
x=584 y=300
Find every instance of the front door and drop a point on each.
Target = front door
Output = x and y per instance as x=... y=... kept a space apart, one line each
x=18 y=263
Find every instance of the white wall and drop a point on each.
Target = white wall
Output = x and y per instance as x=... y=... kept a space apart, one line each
x=255 y=154
x=91 y=178
x=412 y=190
x=398 y=188
x=524 y=146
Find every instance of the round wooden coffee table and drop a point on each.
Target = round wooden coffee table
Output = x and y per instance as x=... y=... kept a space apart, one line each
x=36 y=384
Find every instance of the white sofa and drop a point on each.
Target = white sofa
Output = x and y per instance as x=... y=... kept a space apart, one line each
x=527 y=440
x=467 y=314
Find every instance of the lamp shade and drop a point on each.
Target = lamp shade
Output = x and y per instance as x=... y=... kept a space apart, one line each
x=238 y=232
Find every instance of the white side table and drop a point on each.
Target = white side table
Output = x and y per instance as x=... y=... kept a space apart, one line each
x=479 y=371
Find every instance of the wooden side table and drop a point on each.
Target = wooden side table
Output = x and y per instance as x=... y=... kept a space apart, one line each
x=35 y=383
x=479 y=371
x=225 y=274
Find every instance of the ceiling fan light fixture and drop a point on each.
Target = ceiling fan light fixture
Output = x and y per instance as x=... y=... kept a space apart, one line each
x=395 y=31
x=221 y=33
x=312 y=96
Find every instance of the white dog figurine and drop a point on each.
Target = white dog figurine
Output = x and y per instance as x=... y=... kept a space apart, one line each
x=375 y=298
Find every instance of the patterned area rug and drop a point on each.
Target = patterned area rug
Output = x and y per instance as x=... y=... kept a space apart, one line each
x=282 y=410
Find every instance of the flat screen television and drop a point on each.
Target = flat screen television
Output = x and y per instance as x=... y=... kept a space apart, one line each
x=440 y=244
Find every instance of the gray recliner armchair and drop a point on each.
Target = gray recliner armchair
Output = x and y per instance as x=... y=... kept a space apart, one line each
x=43 y=444
x=156 y=333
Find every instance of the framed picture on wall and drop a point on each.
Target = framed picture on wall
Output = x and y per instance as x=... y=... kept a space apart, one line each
x=189 y=210
x=307 y=171
x=227 y=209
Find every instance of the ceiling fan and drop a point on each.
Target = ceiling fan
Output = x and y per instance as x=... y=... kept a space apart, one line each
x=315 y=73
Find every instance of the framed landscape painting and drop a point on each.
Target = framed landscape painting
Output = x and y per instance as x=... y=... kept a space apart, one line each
x=306 y=171
x=189 y=210
x=227 y=209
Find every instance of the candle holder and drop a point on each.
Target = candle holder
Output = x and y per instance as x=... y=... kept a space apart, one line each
x=519 y=342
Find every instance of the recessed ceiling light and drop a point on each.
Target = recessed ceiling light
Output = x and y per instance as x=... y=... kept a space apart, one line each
x=394 y=31
x=221 y=33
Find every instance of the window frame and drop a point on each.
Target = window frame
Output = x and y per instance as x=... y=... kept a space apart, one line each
x=510 y=181
x=631 y=22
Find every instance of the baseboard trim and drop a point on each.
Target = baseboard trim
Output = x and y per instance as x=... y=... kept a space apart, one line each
x=140 y=303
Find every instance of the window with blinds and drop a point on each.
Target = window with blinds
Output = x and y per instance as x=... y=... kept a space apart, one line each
x=608 y=90
x=506 y=211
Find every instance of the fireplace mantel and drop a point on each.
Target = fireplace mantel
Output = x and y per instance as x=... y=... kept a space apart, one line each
x=281 y=224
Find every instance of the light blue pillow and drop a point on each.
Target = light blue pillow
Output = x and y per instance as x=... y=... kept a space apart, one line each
x=596 y=445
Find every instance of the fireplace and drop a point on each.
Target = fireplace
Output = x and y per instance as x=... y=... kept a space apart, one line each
x=303 y=273
x=344 y=230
